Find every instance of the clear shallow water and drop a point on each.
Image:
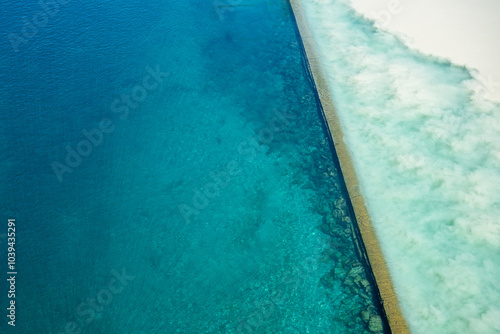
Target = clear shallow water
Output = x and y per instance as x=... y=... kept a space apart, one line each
x=209 y=204
x=425 y=146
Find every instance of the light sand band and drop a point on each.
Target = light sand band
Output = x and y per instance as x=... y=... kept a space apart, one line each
x=373 y=254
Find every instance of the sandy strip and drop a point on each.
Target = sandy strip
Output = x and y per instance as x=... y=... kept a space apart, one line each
x=369 y=239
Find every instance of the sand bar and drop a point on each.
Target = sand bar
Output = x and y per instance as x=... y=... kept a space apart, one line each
x=388 y=296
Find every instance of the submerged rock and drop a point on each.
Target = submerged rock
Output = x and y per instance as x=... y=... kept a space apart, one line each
x=339 y=272
x=347 y=220
x=341 y=204
x=348 y=282
x=355 y=271
x=365 y=283
x=365 y=315
x=328 y=280
x=375 y=323
x=364 y=295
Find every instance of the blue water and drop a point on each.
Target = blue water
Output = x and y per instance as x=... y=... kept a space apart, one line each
x=168 y=171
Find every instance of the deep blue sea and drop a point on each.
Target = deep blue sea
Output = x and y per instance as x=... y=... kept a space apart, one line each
x=168 y=171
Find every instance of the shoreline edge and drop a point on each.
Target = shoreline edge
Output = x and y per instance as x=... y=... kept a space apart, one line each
x=369 y=248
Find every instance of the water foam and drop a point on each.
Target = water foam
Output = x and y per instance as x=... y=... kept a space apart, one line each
x=464 y=32
x=426 y=148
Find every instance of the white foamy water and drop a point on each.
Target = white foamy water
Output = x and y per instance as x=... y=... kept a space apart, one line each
x=466 y=32
x=426 y=148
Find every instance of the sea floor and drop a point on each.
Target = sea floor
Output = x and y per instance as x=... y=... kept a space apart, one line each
x=169 y=172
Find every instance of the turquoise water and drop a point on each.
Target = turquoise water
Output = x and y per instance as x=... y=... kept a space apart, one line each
x=168 y=171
